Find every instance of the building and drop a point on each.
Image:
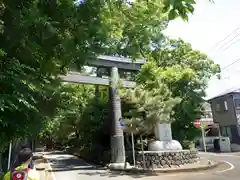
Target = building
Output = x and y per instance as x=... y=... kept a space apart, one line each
x=226 y=111
x=207 y=119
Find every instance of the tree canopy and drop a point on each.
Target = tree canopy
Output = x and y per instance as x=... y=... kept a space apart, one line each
x=174 y=71
x=151 y=106
x=41 y=39
x=186 y=72
x=71 y=103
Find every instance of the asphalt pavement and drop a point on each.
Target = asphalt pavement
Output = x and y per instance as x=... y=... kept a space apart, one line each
x=67 y=166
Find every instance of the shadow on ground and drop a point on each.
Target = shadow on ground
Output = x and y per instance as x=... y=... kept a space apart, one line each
x=63 y=162
x=55 y=152
x=107 y=173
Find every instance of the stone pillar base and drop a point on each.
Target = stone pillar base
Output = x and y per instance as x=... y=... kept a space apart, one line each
x=164 y=145
x=119 y=166
x=117 y=149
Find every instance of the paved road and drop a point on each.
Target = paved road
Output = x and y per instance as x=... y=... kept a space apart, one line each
x=69 y=167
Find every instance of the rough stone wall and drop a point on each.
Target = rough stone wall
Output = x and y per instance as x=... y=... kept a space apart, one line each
x=171 y=159
x=153 y=159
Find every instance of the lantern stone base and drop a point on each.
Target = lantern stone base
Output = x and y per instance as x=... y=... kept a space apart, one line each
x=164 y=145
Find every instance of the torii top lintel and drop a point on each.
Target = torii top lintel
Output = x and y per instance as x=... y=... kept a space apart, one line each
x=119 y=62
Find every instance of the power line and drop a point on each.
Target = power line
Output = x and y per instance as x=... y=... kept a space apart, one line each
x=229 y=65
x=228 y=42
x=224 y=44
x=218 y=43
x=234 y=42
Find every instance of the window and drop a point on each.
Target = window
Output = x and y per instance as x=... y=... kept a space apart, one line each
x=226 y=131
x=225 y=106
x=238 y=129
x=221 y=106
x=223 y=131
x=237 y=103
x=218 y=107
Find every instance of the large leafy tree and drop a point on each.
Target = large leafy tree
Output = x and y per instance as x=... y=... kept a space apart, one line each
x=72 y=100
x=50 y=36
x=39 y=39
x=186 y=72
x=35 y=41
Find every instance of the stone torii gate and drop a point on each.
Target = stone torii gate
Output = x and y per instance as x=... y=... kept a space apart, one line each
x=113 y=64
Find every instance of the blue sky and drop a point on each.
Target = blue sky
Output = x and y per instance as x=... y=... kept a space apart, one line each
x=210 y=24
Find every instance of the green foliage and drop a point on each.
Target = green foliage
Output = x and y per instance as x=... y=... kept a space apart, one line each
x=182 y=8
x=94 y=125
x=72 y=102
x=24 y=101
x=152 y=106
x=41 y=39
x=185 y=72
x=133 y=27
x=186 y=144
x=79 y=120
x=174 y=72
x=34 y=54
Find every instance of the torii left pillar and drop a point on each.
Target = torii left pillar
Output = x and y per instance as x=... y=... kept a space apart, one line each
x=117 y=139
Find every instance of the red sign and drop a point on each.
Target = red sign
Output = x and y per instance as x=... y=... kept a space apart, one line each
x=197 y=123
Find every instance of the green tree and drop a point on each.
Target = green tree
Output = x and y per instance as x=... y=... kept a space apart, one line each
x=65 y=124
x=186 y=72
x=152 y=106
x=40 y=39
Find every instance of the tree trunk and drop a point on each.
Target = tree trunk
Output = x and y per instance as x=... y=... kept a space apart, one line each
x=143 y=156
x=1 y=166
x=128 y=143
x=77 y=134
x=133 y=150
x=97 y=88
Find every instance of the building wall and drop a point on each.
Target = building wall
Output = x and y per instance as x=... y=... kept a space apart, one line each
x=226 y=117
x=236 y=100
x=234 y=134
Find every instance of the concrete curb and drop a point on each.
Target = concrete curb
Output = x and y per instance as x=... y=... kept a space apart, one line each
x=173 y=170
x=74 y=169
